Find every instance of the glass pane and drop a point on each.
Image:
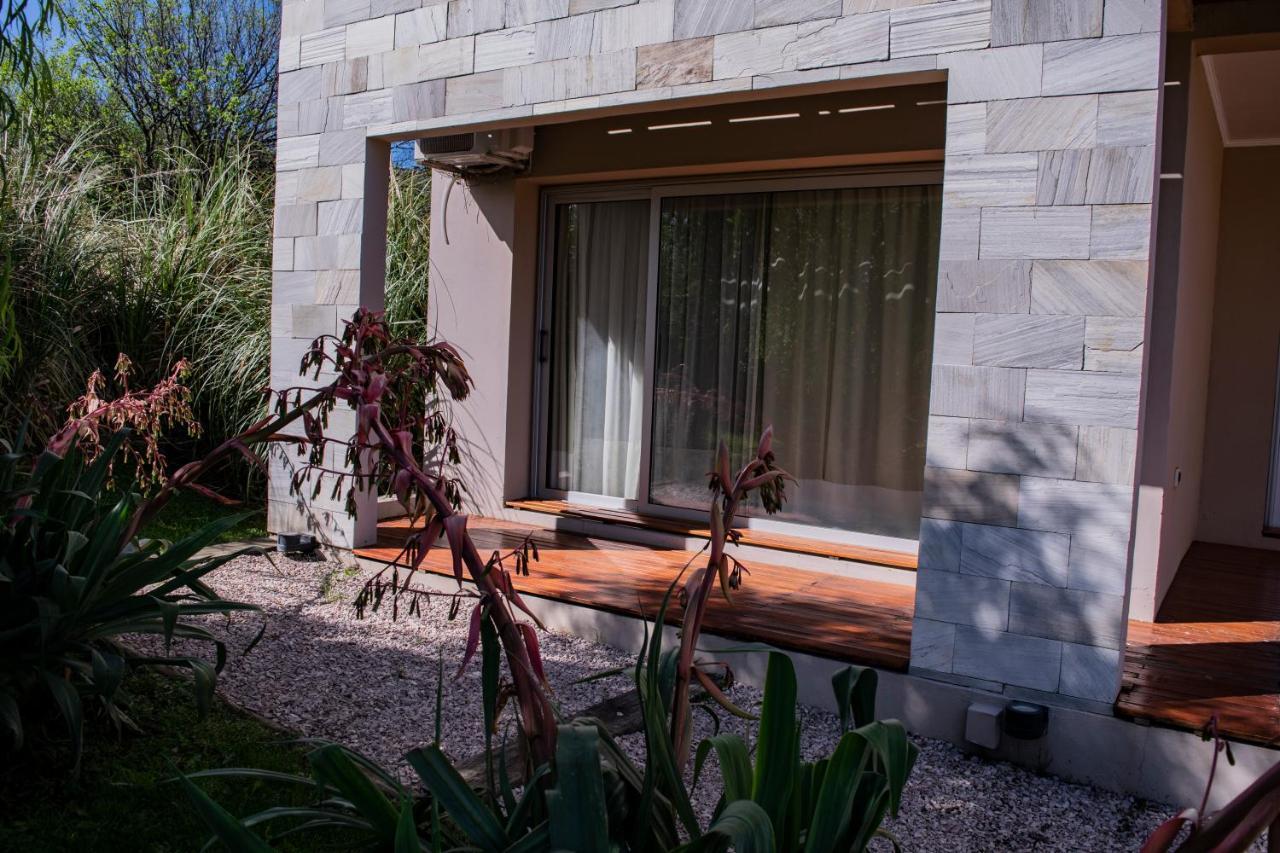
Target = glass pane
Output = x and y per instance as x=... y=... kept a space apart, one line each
x=812 y=311
x=599 y=280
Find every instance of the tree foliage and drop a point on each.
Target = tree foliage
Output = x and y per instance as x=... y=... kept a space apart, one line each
x=195 y=74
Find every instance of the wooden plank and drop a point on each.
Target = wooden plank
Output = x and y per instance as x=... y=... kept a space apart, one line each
x=1213 y=649
x=858 y=621
x=760 y=539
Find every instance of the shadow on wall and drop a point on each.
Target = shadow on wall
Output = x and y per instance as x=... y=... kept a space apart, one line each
x=1023 y=576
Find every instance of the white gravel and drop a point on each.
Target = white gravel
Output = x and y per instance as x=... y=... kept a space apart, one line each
x=371 y=684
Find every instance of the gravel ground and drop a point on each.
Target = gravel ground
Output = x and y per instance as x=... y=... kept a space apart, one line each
x=371 y=685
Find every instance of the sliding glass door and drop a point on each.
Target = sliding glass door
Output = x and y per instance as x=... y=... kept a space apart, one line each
x=810 y=309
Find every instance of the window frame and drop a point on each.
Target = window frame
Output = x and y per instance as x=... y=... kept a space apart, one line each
x=655 y=191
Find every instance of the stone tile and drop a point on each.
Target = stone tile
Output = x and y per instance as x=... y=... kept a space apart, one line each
x=1090 y=672
x=769 y=13
x=353 y=180
x=468 y=17
x=288 y=288
x=861 y=38
x=906 y=65
x=298 y=152
x=1120 y=231
x=1035 y=232
x=1110 y=288
x=1069 y=506
x=860 y=7
x=578 y=7
x=319 y=184
x=505 y=48
x=993 y=74
x=1041 y=124
x=1127 y=118
x=305 y=84
x=1107 y=454
x=960 y=232
x=1076 y=397
x=342 y=147
x=1063 y=176
x=449 y=58
x=948 y=442
x=295 y=220
x=1099 y=560
x=1029 y=556
x=282 y=255
x=521 y=12
x=324 y=46
x=346 y=78
x=1007 y=658
x=1015 y=447
x=1131 y=16
x=940 y=544
x=753 y=52
x=990 y=180
x=290 y=53
x=953 y=495
x=1114 y=344
x=368 y=37
x=976 y=392
x=803 y=77
x=301 y=17
x=1011 y=340
x=325 y=253
x=564 y=38
x=366 y=108
x=312 y=321
x=632 y=26
x=991 y=287
x=1028 y=21
x=1070 y=615
x=932 y=644
x=340 y=12
x=1121 y=175
x=962 y=599
x=953 y=339
x=341 y=217
x=674 y=63
x=418 y=101
x=337 y=287
x=1018 y=22
x=966 y=129
x=422 y=26
x=696 y=18
x=378 y=8
x=940 y=27
x=1115 y=64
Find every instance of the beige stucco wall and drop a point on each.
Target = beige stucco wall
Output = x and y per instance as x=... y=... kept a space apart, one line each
x=1169 y=509
x=1246 y=337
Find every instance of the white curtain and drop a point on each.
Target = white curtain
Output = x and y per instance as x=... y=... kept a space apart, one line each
x=597 y=347
x=812 y=311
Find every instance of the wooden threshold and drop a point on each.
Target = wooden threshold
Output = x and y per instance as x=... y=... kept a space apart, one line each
x=858 y=621
x=696 y=530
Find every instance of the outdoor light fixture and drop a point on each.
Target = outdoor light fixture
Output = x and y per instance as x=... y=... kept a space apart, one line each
x=619 y=130
x=295 y=543
x=773 y=117
x=871 y=108
x=1025 y=720
x=678 y=125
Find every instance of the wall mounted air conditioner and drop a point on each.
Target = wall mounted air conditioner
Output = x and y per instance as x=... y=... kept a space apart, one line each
x=484 y=152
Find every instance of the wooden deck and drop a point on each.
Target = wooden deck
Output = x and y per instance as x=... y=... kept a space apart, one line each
x=852 y=620
x=1214 y=647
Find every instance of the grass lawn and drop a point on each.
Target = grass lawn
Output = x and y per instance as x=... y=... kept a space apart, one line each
x=187 y=512
x=120 y=801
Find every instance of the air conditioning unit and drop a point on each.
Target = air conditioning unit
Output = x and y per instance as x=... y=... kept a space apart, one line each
x=484 y=152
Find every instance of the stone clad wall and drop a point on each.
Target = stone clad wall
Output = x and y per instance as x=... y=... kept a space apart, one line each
x=1048 y=187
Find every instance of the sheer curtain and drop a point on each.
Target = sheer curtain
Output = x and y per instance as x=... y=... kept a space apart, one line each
x=597 y=347
x=812 y=311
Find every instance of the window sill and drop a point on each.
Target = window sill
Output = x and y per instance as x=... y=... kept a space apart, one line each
x=755 y=538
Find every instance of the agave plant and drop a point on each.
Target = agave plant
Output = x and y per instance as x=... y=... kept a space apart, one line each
x=74 y=582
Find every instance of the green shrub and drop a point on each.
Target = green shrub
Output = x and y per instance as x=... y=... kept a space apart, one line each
x=74 y=585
